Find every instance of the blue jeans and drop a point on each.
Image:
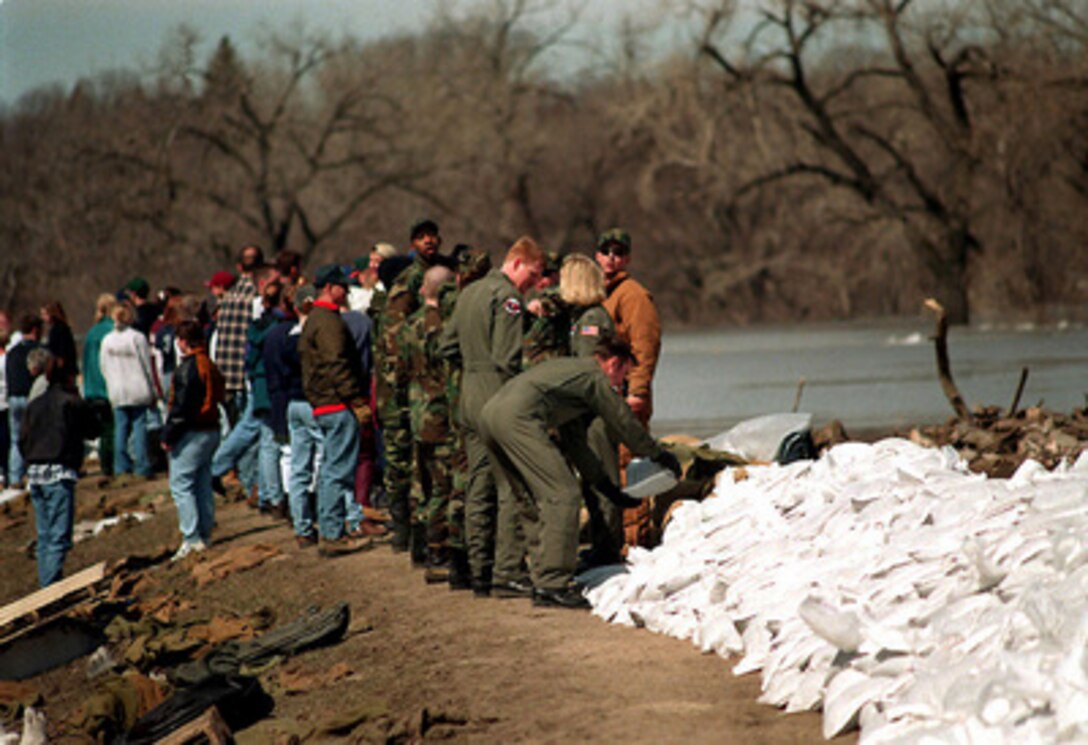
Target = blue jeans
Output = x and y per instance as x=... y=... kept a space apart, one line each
x=191 y=483
x=305 y=439
x=336 y=479
x=130 y=423
x=54 y=508
x=269 y=481
x=245 y=435
x=16 y=464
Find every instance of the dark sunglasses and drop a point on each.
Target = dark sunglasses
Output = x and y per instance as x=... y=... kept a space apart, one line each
x=613 y=249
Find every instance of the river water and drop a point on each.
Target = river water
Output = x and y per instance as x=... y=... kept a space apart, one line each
x=868 y=375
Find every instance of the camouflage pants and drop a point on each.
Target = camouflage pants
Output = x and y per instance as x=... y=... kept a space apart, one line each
x=456 y=508
x=432 y=484
x=397 y=479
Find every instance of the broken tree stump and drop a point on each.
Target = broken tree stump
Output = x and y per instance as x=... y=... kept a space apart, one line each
x=944 y=370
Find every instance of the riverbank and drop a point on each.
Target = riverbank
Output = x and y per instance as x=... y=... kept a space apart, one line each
x=418 y=662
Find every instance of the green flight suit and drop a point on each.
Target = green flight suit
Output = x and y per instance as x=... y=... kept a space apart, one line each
x=589 y=324
x=485 y=334
x=563 y=394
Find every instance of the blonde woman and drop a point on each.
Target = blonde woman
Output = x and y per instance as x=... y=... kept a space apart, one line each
x=94 y=385
x=581 y=288
x=125 y=359
x=569 y=320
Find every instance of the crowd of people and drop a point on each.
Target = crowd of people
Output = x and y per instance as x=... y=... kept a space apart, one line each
x=463 y=413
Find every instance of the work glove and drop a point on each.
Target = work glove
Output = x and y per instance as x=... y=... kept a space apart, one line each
x=362 y=412
x=667 y=460
x=617 y=496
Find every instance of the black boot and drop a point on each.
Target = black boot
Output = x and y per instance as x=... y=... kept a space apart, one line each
x=481 y=584
x=401 y=535
x=438 y=565
x=460 y=578
x=419 y=545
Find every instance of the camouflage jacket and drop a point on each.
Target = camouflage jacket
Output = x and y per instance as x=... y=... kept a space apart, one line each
x=390 y=358
x=547 y=335
x=428 y=388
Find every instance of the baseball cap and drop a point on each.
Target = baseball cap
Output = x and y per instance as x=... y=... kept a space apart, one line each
x=331 y=274
x=614 y=236
x=222 y=279
x=138 y=286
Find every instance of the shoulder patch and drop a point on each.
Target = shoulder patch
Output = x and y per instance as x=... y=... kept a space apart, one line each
x=512 y=306
x=591 y=330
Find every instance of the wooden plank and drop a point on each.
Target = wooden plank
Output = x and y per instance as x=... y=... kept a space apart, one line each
x=53 y=593
x=209 y=726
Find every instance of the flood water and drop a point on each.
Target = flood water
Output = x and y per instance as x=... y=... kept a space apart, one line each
x=869 y=376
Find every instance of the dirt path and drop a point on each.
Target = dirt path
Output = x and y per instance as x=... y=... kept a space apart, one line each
x=485 y=670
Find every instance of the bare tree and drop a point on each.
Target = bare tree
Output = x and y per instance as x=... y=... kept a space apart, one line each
x=894 y=127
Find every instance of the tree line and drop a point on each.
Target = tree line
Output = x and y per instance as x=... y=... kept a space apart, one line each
x=792 y=160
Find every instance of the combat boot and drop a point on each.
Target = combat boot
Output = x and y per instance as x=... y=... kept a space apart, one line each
x=401 y=535
x=481 y=584
x=568 y=597
x=438 y=565
x=460 y=578
x=419 y=545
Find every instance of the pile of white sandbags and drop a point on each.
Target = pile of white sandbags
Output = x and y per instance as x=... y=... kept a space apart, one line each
x=889 y=586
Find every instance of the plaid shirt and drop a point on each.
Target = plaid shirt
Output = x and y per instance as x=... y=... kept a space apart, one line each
x=235 y=315
x=42 y=474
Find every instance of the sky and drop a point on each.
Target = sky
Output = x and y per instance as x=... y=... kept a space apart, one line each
x=47 y=41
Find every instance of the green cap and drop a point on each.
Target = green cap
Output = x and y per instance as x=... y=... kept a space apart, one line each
x=614 y=236
x=331 y=274
x=138 y=286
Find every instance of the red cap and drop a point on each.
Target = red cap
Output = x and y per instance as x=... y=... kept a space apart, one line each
x=221 y=279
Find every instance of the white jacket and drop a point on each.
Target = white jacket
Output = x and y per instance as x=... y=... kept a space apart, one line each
x=125 y=359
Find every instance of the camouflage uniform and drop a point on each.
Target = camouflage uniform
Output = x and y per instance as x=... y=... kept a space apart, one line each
x=392 y=364
x=547 y=334
x=432 y=435
x=458 y=461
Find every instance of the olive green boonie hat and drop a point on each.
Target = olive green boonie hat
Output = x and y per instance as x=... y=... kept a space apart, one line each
x=615 y=236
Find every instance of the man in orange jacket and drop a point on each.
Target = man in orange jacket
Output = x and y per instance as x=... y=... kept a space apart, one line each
x=635 y=316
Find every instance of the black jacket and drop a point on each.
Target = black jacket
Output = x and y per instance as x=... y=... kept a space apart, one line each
x=18 y=376
x=55 y=426
x=60 y=342
x=195 y=395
